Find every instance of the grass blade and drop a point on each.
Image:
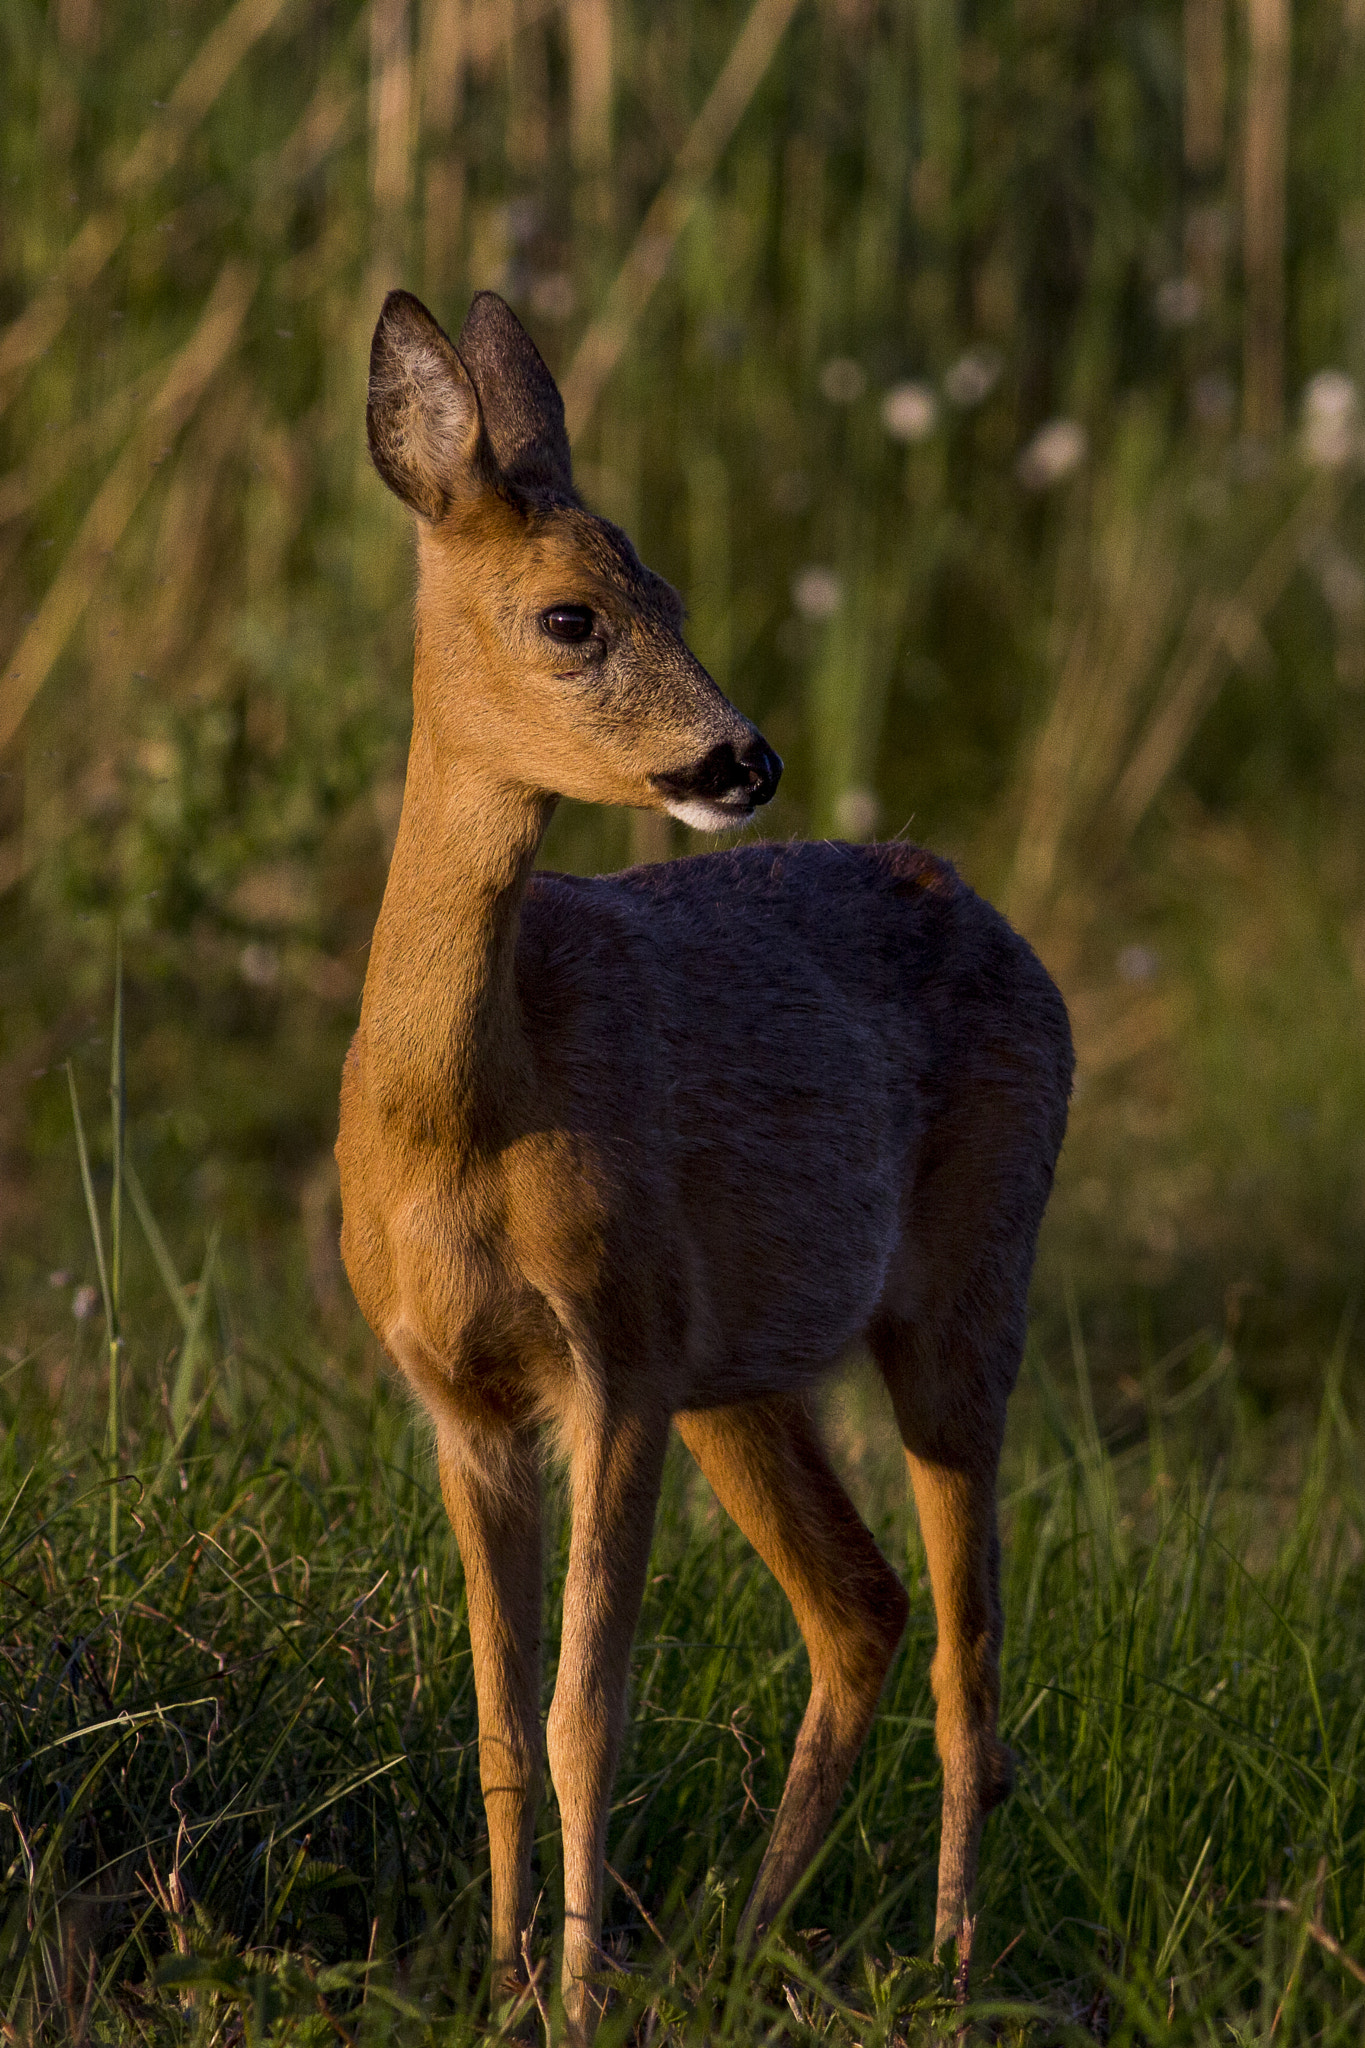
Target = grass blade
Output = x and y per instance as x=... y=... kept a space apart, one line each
x=182 y=1392
x=91 y=1210
x=117 y=1118
x=156 y=1244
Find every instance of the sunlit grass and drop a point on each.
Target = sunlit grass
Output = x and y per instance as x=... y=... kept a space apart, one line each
x=238 y=1772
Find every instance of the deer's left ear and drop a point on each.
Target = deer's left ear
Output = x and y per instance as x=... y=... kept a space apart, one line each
x=423 y=413
x=523 y=413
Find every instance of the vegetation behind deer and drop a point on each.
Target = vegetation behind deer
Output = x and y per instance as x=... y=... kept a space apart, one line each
x=970 y=381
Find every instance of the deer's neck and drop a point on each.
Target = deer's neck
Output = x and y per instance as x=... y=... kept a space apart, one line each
x=445 y=1048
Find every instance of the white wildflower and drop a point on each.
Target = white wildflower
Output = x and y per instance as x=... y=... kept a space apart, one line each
x=910 y=412
x=817 y=592
x=973 y=377
x=1137 y=964
x=1179 y=301
x=1340 y=581
x=259 y=965
x=1054 y=452
x=858 y=813
x=1331 y=419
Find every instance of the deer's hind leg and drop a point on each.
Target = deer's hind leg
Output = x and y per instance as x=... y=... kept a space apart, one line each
x=949 y=1338
x=949 y=1385
x=767 y=1467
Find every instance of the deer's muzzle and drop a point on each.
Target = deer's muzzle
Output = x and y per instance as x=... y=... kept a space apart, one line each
x=739 y=781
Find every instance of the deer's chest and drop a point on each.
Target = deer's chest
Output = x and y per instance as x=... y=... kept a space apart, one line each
x=464 y=1293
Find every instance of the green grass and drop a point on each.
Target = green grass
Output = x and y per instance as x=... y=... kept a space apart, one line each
x=1129 y=704
x=238 y=1786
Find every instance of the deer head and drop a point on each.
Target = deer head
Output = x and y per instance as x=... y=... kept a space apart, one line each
x=547 y=654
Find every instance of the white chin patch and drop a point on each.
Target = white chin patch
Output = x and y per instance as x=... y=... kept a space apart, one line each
x=705 y=817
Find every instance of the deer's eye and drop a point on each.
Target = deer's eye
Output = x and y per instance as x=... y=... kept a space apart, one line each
x=569 y=622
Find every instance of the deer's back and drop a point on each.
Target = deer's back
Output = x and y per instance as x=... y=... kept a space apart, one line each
x=769 y=1039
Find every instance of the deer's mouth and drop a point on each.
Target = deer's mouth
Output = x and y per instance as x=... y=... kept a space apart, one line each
x=724 y=787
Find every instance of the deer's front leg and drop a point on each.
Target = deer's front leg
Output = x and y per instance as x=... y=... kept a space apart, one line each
x=616 y=1472
x=492 y=1496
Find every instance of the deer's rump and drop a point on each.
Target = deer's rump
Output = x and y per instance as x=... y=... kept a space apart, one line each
x=777 y=1032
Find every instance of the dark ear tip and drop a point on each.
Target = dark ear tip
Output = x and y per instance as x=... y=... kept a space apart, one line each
x=403 y=313
x=399 y=301
x=490 y=324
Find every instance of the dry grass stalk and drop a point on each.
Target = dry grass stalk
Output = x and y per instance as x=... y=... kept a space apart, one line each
x=322 y=127
x=161 y=142
x=1092 y=751
x=190 y=373
x=1206 y=92
x=1112 y=1029
x=1127 y=590
x=1217 y=633
x=490 y=28
x=1205 y=84
x=1314 y=1928
x=173 y=620
x=526 y=134
x=444 y=54
x=391 y=135
x=534 y=1973
x=934 y=178
x=590 y=83
x=225 y=47
x=444 y=49
x=42 y=320
x=81 y=446
x=635 y=282
x=1263 y=215
x=940 y=109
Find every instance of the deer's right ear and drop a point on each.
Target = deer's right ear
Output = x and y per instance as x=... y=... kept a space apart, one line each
x=423 y=414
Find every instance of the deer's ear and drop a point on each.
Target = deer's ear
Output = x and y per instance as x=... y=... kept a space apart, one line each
x=523 y=413
x=423 y=413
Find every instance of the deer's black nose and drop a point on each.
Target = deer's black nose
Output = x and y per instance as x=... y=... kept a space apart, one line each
x=763 y=770
x=740 y=781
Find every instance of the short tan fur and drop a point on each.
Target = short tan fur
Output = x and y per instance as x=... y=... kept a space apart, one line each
x=659 y=1148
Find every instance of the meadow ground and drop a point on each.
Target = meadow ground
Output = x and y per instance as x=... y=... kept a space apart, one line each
x=238 y=1786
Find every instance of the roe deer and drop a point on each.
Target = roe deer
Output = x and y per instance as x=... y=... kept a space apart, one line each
x=660 y=1147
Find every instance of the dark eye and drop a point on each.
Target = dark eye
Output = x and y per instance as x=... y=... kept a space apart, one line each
x=567 y=621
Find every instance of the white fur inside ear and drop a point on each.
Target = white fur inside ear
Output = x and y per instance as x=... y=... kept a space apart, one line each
x=423 y=414
x=705 y=817
x=440 y=414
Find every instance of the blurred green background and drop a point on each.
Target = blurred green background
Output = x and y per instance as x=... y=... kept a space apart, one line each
x=985 y=376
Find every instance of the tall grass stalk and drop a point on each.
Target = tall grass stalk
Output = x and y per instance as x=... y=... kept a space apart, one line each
x=118 y=1102
x=110 y=1269
x=1264 y=204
